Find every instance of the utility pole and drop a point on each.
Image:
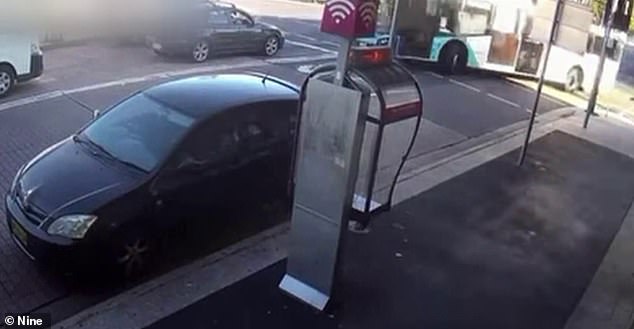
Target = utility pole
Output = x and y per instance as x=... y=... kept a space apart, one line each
x=553 y=34
x=592 y=101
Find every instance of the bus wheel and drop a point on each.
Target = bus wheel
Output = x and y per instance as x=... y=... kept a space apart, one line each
x=453 y=58
x=574 y=79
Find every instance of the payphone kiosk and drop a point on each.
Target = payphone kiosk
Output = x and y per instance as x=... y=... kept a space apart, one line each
x=342 y=151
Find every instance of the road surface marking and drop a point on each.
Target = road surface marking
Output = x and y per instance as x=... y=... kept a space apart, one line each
x=330 y=43
x=304 y=37
x=503 y=100
x=531 y=89
x=299 y=21
x=464 y=85
x=46 y=80
x=300 y=59
x=156 y=76
x=305 y=45
x=554 y=100
x=436 y=75
x=529 y=111
x=306 y=68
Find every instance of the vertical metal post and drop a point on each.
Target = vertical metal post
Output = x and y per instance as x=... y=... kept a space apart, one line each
x=342 y=61
x=553 y=33
x=594 y=94
x=393 y=27
x=374 y=168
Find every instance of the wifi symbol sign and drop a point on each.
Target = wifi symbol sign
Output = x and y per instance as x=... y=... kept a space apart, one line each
x=350 y=18
x=340 y=10
x=368 y=13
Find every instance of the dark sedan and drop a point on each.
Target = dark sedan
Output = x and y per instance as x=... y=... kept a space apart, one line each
x=174 y=152
x=216 y=30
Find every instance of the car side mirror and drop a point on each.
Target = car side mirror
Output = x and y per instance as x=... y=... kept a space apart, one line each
x=96 y=114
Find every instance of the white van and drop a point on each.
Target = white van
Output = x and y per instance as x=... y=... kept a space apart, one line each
x=20 y=60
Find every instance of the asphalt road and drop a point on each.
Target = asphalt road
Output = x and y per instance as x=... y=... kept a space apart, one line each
x=95 y=76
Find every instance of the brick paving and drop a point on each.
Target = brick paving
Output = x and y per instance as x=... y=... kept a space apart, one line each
x=24 y=132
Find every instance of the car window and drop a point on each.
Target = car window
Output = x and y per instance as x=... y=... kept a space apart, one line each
x=139 y=130
x=218 y=17
x=266 y=125
x=212 y=143
x=240 y=18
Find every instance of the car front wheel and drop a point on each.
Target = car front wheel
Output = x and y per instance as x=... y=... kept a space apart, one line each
x=132 y=254
x=7 y=80
x=272 y=45
x=201 y=50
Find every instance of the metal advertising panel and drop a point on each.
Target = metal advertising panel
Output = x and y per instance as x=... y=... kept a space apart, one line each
x=327 y=158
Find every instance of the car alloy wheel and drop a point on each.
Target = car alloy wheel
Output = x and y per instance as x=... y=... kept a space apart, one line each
x=133 y=257
x=6 y=82
x=272 y=46
x=201 y=51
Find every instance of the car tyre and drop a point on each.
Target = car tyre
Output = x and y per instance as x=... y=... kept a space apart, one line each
x=7 y=80
x=133 y=254
x=201 y=51
x=271 y=45
x=574 y=80
x=453 y=58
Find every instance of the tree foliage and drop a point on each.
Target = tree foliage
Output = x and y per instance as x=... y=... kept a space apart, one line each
x=598 y=7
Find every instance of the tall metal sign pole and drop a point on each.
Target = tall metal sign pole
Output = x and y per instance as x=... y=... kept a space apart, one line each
x=592 y=101
x=553 y=35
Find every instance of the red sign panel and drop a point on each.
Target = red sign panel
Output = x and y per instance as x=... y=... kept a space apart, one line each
x=350 y=18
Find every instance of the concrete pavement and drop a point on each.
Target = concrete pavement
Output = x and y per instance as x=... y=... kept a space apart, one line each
x=607 y=302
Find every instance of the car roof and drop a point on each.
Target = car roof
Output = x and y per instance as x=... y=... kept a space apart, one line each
x=204 y=96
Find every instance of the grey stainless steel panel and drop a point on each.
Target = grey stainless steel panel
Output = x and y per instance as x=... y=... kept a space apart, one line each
x=329 y=145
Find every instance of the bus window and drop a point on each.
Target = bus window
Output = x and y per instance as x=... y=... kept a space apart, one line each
x=475 y=17
x=613 y=51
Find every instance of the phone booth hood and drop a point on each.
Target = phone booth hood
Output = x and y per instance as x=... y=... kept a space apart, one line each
x=395 y=108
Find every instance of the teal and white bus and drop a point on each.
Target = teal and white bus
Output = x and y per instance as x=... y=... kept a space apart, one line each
x=507 y=36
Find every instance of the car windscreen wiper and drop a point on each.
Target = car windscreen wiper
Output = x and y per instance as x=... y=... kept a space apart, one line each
x=85 y=142
x=130 y=164
x=101 y=151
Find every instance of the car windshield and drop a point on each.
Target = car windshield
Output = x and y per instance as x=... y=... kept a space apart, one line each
x=139 y=131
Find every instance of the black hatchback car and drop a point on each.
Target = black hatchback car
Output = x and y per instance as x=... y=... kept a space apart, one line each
x=174 y=152
x=211 y=29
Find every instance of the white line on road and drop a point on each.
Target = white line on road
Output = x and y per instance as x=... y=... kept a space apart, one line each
x=161 y=75
x=300 y=59
x=330 y=43
x=464 y=85
x=304 y=37
x=529 y=110
x=436 y=75
x=299 y=21
x=305 y=45
x=554 y=100
x=503 y=100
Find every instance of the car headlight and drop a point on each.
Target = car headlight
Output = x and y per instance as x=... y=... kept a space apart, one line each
x=72 y=226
